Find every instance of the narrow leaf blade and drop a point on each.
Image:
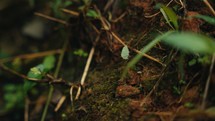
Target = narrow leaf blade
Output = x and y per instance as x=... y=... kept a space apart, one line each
x=191 y=42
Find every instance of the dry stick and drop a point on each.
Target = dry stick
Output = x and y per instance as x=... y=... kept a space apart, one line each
x=59 y=104
x=185 y=90
x=182 y=96
x=135 y=50
x=31 y=56
x=49 y=80
x=18 y=74
x=86 y=68
x=208 y=83
x=120 y=17
x=26 y=109
x=158 y=81
x=211 y=66
x=209 y=6
x=51 y=18
x=57 y=70
x=153 y=15
x=74 y=13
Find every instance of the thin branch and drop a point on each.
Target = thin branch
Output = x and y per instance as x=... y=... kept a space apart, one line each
x=60 y=103
x=26 y=114
x=135 y=50
x=185 y=90
x=171 y=57
x=155 y=14
x=209 y=6
x=32 y=55
x=74 y=13
x=208 y=83
x=17 y=73
x=51 y=18
x=86 y=68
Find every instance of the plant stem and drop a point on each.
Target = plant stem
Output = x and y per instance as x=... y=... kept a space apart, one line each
x=51 y=89
x=208 y=83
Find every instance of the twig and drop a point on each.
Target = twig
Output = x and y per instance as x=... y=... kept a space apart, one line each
x=48 y=79
x=161 y=77
x=74 y=13
x=51 y=89
x=32 y=55
x=153 y=15
x=51 y=18
x=60 y=103
x=209 y=6
x=208 y=83
x=18 y=74
x=108 y=5
x=135 y=50
x=86 y=68
x=185 y=90
x=120 y=17
x=26 y=109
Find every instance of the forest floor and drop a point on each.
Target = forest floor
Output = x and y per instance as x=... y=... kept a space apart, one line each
x=79 y=48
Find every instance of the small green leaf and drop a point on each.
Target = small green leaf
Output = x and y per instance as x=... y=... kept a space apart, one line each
x=92 y=13
x=209 y=19
x=191 y=42
x=170 y=16
x=192 y=62
x=35 y=73
x=189 y=105
x=49 y=63
x=81 y=53
x=125 y=52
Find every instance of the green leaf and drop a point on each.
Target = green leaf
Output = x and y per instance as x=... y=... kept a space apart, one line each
x=125 y=52
x=81 y=53
x=28 y=85
x=191 y=42
x=92 y=13
x=189 y=105
x=170 y=16
x=209 y=19
x=192 y=62
x=35 y=73
x=143 y=51
x=49 y=63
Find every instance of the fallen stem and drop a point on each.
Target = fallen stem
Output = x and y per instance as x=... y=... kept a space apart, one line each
x=209 y=6
x=51 y=18
x=208 y=83
x=51 y=89
x=32 y=55
x=84 y=75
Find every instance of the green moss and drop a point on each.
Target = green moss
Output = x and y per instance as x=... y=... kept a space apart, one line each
x=102 y=104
